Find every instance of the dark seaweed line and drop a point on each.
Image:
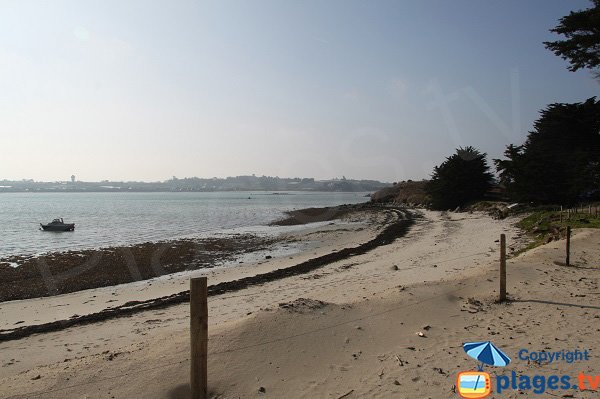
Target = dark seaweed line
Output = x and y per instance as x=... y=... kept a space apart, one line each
x=391 y=232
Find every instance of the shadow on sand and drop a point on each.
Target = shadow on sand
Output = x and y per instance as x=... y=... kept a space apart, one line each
x=183 y=391
x=574 y=305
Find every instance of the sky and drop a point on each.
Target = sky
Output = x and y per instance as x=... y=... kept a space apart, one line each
x=385 y=90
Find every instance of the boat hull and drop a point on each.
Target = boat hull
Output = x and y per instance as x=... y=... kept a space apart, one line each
x=66 y=227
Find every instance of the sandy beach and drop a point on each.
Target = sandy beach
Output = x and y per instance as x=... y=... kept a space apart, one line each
x=300 y=200
x=345 y=330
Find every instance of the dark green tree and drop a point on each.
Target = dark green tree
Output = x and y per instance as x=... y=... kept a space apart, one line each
x=461 y=178
x=560 y=160
x=582 y=44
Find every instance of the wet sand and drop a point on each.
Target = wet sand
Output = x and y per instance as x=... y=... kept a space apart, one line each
x=64 y=272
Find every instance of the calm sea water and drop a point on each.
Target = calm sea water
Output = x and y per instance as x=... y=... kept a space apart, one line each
x=108 y=219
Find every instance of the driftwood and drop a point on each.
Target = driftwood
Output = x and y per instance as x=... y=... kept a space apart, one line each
x=346 y=394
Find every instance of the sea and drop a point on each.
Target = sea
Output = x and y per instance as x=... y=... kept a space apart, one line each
x=111 y=219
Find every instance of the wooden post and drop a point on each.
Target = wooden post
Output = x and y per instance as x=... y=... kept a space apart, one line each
x=568 y=262
x=502 y=267
x=561 y=214
x=198 y=337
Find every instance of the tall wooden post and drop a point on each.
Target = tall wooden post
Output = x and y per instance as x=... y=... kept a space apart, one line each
x=198 y=337
x=502 y=268
x=568 y=261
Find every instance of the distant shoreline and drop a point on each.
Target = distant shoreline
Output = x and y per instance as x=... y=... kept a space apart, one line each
x=260 y=191
x=195 y=184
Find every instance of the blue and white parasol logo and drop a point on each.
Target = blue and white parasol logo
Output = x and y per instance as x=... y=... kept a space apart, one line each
x=486 y=353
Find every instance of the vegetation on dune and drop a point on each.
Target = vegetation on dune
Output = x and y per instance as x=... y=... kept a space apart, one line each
x=544 y=225
x=463 y=177
x=559 y=163
x=560 y=160
x=405 y=192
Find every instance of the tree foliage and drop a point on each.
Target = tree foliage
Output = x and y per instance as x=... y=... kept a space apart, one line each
x=560 y=159
x=461 y=178
x=582 y=44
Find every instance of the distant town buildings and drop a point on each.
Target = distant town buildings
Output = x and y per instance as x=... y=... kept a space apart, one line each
x=196 y=184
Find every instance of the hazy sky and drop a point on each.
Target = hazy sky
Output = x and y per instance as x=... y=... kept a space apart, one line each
x=144 y=90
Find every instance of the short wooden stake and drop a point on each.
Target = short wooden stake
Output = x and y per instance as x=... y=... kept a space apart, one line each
x=568 y=261
x=502 y=267
x=198 y=337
